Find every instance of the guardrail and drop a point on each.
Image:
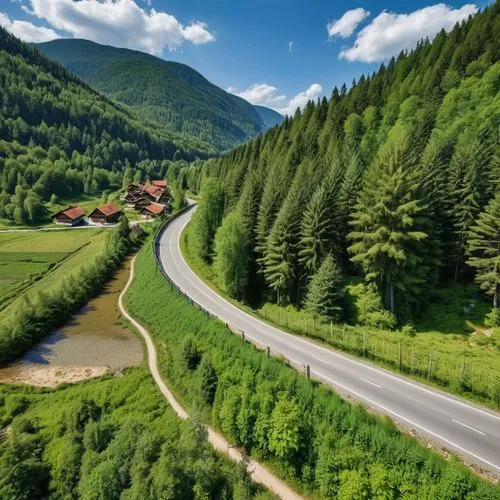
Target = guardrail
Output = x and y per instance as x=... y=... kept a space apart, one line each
x=245 y=337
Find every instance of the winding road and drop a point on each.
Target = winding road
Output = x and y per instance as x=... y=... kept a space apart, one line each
x=451 y=423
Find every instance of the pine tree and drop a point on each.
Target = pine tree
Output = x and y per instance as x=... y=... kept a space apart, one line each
x=325 y=290
x=484 y=249
x=386 y=229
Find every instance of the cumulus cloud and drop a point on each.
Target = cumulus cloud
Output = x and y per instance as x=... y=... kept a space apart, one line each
x=290 y=47
x=389 y=33
x=347 y=24
x=27 y=31
x=121 y=23
x=269 y=96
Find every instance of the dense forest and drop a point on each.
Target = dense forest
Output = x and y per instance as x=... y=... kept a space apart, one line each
x=59 y=137
x=393 y=179
x=168 y=92
x=108 y=439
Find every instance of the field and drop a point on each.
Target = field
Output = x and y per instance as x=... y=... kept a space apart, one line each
x=449 y=347
x=34 y=261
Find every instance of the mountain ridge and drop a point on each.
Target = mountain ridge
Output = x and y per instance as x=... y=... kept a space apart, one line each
x=168 y=92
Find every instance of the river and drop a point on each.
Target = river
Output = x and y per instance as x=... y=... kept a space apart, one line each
x=92 y=343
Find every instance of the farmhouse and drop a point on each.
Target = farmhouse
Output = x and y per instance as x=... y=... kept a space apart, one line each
x=155 y=193
x=106 y=214
x=161 y=184
x=153 y=210
x=71 y=216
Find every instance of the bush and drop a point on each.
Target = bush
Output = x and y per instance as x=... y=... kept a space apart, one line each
x=190 y=354
x=208 y=384
x=493 y=318
x=369 y=308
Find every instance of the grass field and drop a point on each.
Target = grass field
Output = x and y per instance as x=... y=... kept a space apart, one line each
x=34 y=261
x=450 y=348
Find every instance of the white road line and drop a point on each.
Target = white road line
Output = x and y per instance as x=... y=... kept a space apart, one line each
x=329 y=351
x=399 y=416
x=370 y=382
x=468 y=427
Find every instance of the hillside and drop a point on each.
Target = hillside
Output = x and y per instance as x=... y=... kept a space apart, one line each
x=270 y=117
x=168 y=92
x=60 y=137
x=391 y=182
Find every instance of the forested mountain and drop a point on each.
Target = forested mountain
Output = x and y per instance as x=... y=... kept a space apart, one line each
x=269 y=116
x=171 y=93
x=60 y=137
x=392 y=179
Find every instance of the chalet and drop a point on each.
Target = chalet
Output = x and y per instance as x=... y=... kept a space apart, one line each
x=131 y=199
x=106 y=214
x=135 y=188
x=142 y=202
x=153 y=210
x=71 y=216
x=155 y=193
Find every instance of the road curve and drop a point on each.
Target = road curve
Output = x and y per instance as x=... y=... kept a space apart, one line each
x=258 y=473
x=453 y=424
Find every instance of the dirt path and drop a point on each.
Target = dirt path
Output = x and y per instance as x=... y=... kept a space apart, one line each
x=258 y=472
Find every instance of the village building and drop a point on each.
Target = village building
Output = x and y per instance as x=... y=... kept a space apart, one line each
x=161 y=184
x=71 y=216
x=155 y=193
x=106 y=214
x=153 y=210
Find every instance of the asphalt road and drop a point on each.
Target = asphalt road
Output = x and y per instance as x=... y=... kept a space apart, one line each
x=468 y=430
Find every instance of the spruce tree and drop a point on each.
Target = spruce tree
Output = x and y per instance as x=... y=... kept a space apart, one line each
x=325 y=290
x=484 y=249
x=387 y=237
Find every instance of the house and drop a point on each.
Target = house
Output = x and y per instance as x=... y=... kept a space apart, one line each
x=71 y=216
x=141 y=202
x=155 y=193
x=106 y=214
x=153 y=210
x=135 y=188
x=131 y=199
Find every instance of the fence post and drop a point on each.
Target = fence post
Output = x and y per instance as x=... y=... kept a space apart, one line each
x=268 y=349
x=399 y=358
x=331 y=330
x=462 y=368
x=308 y=372
x=364 y=344
x=429 y=371
x=243 y=336
x=305 y=325
x=343 y=335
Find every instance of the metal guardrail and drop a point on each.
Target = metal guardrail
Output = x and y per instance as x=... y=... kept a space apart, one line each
x=245 y=337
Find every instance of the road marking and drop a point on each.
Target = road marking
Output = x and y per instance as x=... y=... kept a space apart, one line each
x=313 y=345
x=370 y=382
x=323 y=377
x=468 y=427
x=411 y=422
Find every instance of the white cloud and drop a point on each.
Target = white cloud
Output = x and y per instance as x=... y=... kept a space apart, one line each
x=27 y=31
x=389 y=33
x=121 y=23
x=290 y=47
x=269 y=96
x=347 y=24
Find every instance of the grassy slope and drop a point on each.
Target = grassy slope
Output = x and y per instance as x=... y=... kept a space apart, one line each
x=170 y=319
x=461 y=363
x=79 y=247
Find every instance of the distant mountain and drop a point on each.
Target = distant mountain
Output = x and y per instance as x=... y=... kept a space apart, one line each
x=168 y=92
x=269 y=116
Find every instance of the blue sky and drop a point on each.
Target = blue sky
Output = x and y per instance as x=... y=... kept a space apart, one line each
x=277 y=53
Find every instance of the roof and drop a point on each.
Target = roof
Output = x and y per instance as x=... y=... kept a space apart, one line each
x=155 y=208
x=108 y=209
x=72 y=213
x=155 y=191
x=162 y=184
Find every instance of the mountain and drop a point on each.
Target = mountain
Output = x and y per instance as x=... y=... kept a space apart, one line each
x=60 y=137
x=270 y=117
x=168 y=92
x=388 y=177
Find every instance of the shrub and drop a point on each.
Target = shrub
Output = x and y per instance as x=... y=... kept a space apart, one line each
x=190 y=354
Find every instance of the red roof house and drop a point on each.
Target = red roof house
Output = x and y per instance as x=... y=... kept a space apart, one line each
x=106 y=214
x=162 y=184
x=71 y=216
x=153 y=210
